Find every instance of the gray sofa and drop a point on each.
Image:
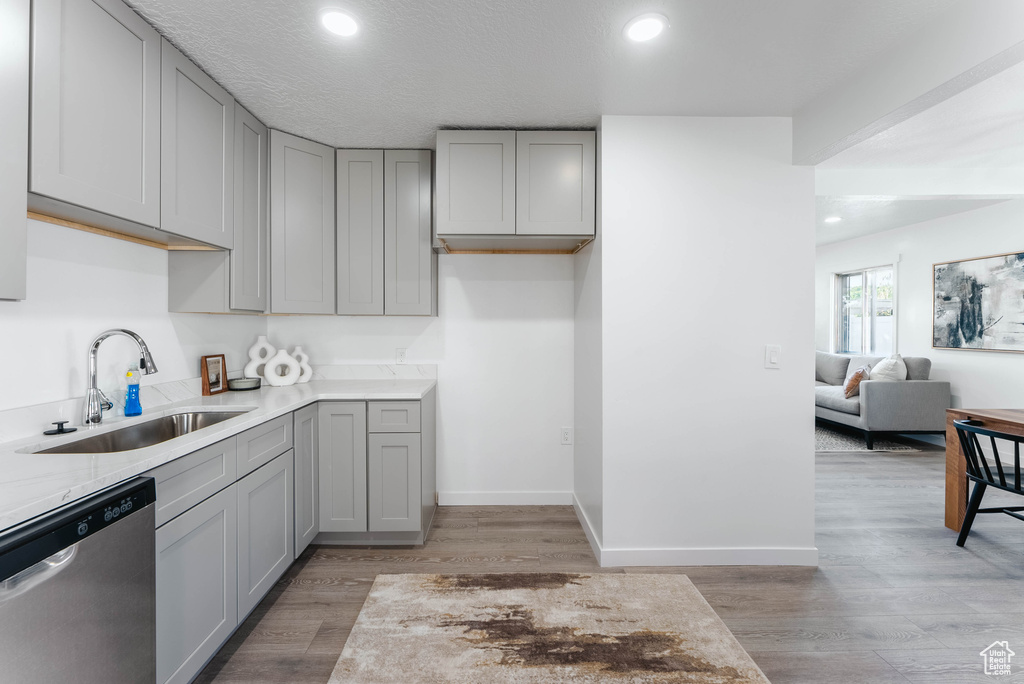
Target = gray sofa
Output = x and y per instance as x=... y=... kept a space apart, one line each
x=916 y=404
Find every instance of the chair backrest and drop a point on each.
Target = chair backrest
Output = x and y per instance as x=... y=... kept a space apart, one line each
x=979 y=466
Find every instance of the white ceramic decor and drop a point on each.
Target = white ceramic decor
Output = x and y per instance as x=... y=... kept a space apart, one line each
x=303 y=359
x=282 y=370
x=259 y=354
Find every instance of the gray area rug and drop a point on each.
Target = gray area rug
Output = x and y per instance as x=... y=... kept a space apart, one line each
x=826 y=439
x=540 y=627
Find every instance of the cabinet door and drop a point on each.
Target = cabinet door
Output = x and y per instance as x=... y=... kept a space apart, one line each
x=250 y=250
x=307 y=477
x=301 y=226
x=96 y=108
x=14 y=32
x=197 y=153
x=196 y=586
x=476 y=182
x=342 y=466
x=555 y=182
x=410 y=265
x=266 y=529
x=393 y=482
x=360 y=232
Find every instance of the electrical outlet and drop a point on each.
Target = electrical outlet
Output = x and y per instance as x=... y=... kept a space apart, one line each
x=566 y=435
x=401 y=355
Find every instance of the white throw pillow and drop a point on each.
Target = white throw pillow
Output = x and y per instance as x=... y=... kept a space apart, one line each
x=892 y=368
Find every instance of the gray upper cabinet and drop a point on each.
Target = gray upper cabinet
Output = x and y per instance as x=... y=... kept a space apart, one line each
x=197 y=153
x=360 y=198
x=555 y=182
x=14 y=60
x=342 y=428
x=476 y=182
x=236 y=280
x=301 y=226
x=410 y=265
x=95 y=135
x=249 y=255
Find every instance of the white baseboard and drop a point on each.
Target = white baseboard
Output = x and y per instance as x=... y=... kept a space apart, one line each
x=588 y=529
x=504 y=498
x=719 y=556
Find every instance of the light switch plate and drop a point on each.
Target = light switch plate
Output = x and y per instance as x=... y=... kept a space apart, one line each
x=773 y=356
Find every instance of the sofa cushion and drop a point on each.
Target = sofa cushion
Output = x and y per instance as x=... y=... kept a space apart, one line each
x=835 y=398
x=819 y=383
x=891 y=368
x=830 y=368
x=918 y=367
x=858 y=361
x=852 y=387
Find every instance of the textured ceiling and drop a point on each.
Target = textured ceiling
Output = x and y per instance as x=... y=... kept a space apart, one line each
x=418 y=65
x=866 y=215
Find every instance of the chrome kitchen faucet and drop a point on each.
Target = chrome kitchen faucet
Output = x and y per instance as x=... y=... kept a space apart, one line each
x=96 y=401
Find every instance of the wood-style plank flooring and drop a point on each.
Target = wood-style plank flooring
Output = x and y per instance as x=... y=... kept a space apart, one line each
x=893 y=600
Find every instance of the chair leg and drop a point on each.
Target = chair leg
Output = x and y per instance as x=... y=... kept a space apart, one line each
x=869 y=439
x=972 y=510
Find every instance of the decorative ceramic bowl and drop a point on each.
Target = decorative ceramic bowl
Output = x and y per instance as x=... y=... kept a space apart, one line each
x=241 y=384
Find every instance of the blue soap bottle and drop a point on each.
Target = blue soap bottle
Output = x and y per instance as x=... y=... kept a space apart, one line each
x=132 y=407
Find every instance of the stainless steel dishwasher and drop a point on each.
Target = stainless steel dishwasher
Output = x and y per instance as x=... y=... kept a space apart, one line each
x=77 y=592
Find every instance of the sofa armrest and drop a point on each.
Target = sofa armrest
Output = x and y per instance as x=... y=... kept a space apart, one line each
x=895 y=405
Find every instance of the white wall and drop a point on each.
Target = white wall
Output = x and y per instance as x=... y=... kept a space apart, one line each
x=80 y=284
x=707 y=256
x=503 y=344
x=978 y=379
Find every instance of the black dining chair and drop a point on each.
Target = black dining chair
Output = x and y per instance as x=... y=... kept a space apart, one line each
x=988 y=470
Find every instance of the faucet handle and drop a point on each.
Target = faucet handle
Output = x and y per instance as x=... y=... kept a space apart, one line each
x=61 y=430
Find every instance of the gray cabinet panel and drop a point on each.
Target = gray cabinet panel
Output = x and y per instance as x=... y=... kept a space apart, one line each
x=393 y=482
x=198 y=281
x=555 y=182
x=196 y=580
x=393 y=416
x=342 y=466
x=360 y=198
x=197 y=152
x=476 y=182
x=301 y=226
x=249 y=253
x=410 y=265
x=266 y=529
x=307 y=477
x=14 y=60
x=263 y=443
x=95 y=135
x=184 y=482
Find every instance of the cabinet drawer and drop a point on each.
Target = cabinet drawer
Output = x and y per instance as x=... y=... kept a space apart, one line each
x=264 y=443
x=393 y=416
x=184 y=482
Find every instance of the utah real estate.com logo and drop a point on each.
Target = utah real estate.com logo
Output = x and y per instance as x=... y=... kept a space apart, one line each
x=997 y=658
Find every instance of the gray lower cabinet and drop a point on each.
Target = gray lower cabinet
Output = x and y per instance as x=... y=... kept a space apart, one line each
x=307 y=477
x=360 y=201
x=196 y=586
x=266 y=529
x=302 y=254
x=342 y=427
x=410 y=264
x=377 y=487
x=235 y=280
x=95 y=134
x=197 y=152
x=14 y=69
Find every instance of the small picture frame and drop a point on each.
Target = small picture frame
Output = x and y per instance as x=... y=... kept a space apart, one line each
x=214 y=374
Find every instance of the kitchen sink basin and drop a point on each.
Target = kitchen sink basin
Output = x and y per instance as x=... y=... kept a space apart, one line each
x=144 y=434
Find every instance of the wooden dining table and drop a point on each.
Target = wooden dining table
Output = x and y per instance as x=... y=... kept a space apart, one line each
x=1003 y=420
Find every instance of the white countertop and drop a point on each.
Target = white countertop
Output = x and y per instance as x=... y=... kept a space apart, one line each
x=33 y=484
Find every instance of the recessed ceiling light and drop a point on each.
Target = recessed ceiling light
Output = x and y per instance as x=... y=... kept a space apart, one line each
x=338 y=22
x=833 y=219
x=645 y=27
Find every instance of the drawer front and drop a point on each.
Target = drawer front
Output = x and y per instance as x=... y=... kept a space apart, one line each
x=393 y=416
x=184 y=482
x=264 y=443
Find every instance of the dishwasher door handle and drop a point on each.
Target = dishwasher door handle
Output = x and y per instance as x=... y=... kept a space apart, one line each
x=34 y=575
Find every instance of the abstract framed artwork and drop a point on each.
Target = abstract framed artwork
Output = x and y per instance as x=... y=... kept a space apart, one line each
x=979 y=303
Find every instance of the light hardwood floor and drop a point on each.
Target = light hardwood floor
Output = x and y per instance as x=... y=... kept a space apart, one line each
x=893 y=600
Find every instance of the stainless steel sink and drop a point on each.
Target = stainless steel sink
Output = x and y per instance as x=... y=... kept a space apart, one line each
x=144 y=434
